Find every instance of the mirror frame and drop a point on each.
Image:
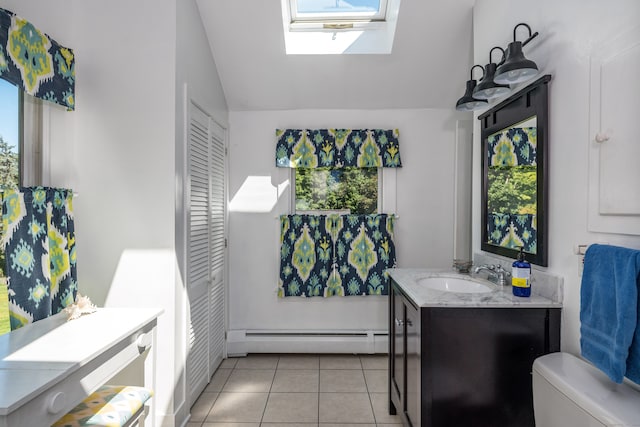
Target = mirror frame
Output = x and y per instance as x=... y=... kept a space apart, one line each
x=530 y=101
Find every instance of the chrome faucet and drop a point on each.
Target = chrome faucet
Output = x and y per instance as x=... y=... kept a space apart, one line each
x=497 y=274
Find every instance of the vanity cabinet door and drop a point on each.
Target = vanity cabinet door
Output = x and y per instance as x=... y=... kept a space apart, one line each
x=480 y=362
x=396 y=354
x=405 y=365
x=412 y=377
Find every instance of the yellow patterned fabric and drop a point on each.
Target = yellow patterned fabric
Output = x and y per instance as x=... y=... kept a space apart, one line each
x=5 y=326
x=109 y=406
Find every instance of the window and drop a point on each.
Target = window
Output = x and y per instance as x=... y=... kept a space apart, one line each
x=21 y=136
x=335 y=27
x=348 y=190
x=337 y=10
x=10 y=118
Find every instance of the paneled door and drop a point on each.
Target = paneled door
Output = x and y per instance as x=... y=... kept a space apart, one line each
x=206 y=218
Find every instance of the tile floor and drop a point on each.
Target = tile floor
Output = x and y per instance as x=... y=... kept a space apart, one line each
x=296 y=390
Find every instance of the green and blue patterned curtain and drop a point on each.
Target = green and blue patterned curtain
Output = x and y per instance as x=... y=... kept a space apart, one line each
x=327 y=255
x=315 y=148
x=513 y=231
x=34 y=62
x=39 y=248
x=513 y=147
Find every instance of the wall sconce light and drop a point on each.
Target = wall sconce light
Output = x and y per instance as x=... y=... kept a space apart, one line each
x=468 y=102
x=516 y=68
x=487 y=88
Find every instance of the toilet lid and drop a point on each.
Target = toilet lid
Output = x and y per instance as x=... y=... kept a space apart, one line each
x=610 y=403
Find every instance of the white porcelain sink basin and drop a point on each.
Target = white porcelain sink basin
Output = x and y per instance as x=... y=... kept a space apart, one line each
x=454 y=284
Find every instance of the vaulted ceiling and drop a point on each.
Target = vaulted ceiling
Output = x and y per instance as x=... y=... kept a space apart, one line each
x=428 y=67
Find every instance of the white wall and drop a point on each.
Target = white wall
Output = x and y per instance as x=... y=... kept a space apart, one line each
x=424 y=232
x=568 y=30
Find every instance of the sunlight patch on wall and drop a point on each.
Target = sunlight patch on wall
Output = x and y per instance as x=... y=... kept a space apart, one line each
x=257 y=195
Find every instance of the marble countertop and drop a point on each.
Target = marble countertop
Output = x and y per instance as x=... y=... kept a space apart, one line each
x=499 y=296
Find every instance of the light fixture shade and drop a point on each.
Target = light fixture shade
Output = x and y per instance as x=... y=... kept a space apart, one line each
x=516 y=68
x=468 y=102
x=488 y=88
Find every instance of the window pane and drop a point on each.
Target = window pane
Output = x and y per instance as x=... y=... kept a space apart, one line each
x=338 y=6
x=9 y=134
x=355 y=189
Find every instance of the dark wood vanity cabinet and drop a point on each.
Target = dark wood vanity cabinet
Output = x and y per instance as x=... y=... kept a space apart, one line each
x=465 y=366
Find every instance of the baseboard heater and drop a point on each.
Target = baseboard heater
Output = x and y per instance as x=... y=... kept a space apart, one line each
x=242 y=342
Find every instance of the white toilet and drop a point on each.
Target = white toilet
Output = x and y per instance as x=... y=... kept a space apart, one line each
x=569 y=392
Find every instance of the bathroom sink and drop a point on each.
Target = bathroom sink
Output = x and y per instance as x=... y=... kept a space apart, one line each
x=454 y=284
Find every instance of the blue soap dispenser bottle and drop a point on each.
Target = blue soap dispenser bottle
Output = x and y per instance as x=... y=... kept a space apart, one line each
x=521 y=276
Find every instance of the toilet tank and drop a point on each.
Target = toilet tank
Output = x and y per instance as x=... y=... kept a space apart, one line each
x=569 y=392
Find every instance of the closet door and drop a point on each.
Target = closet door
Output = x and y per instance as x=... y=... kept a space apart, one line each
x=218 y=245
x=205 y=248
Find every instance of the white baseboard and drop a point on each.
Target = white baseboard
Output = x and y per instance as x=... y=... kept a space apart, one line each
x=243 y=342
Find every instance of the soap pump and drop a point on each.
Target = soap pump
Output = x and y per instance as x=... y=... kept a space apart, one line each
x=521 y=276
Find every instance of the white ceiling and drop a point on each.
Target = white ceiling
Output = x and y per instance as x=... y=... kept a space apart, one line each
x=428 y=68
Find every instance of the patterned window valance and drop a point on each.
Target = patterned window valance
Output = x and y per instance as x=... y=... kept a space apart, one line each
x=315 y=148
x=513 y=147
x=34 y=62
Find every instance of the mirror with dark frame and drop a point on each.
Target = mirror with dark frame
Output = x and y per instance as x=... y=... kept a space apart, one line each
x=514 y=174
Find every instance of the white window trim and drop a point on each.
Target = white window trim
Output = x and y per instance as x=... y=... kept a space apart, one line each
x=322 y=18
x=34 y=141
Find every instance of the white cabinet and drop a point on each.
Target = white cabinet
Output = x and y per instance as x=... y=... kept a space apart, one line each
x=614 y=150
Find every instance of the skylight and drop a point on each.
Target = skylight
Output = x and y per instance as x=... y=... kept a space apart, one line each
x=339 y=26
x=337 y=10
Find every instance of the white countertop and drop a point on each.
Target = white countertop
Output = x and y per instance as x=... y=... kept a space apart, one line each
x=499 y=297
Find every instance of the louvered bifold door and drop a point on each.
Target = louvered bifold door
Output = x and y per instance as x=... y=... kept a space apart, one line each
x=217 y=239
x=198 y=250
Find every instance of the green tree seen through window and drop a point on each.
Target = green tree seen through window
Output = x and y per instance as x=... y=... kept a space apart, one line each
x=350 y=188
x=9 y=171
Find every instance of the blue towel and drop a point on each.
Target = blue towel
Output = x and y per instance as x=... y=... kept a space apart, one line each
x=609 y=309
x=633 y=361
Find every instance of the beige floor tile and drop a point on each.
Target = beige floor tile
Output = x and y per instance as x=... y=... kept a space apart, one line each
x=217 y=381
x=346 y=425
x=202 y=406
x=296 y=381
x=231 y=425
x=345 y=381
x=299 y=361
x=258 y=361
x=238 y=408
x=345 y=408
x=380 y=402
x=229 y=363
x=289 y=425
x=377 y=381
x=374 y=361
x=340 y=362
x=190 y=424
x=249 y=381
x=291 y=408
